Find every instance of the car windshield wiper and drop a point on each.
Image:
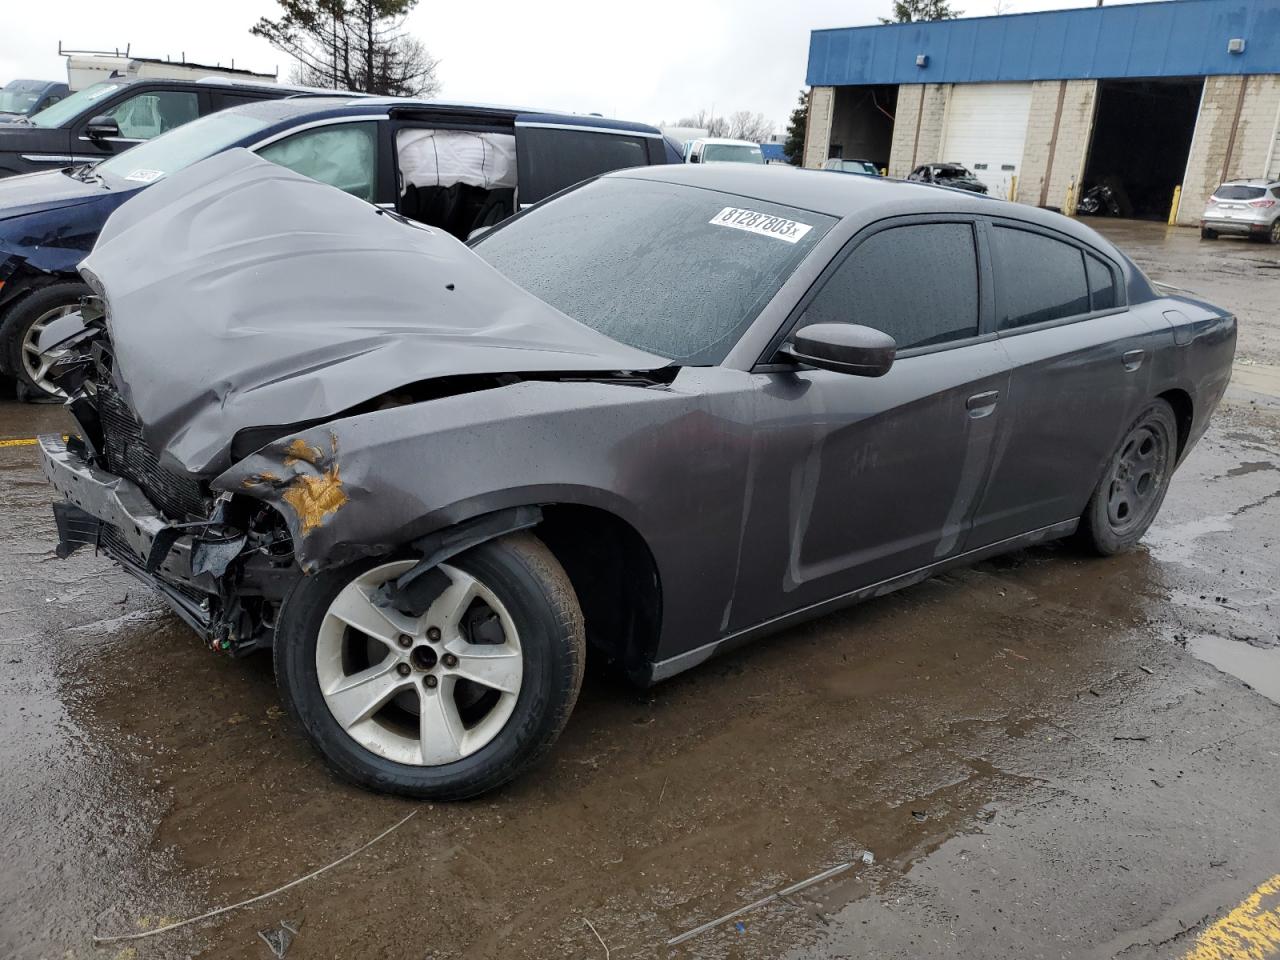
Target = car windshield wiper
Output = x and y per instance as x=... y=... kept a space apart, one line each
x=84 y=172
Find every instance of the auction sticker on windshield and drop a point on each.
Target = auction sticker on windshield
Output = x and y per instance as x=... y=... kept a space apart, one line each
x=765 y=224
x=145 y=176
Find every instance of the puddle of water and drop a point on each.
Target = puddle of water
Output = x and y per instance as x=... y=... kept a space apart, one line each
x=1176 y=543
x=1257 y=666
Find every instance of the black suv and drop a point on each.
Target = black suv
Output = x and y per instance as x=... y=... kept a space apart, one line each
x=114 y=115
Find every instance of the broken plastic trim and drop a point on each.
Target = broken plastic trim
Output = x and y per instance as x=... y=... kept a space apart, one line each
x=414 y=591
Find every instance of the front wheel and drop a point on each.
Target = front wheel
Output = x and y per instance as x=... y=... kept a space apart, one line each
x=444 y=706
x=20 y=334
x=1134 y=482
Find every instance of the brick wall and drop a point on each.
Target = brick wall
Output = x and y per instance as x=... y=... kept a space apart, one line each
x=917 y=126
x=1039 y=182
x=817 y=134
x=1253 y=133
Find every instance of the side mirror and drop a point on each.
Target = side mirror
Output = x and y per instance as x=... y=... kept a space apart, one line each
x=693 y=158
x=843 y=348
x=102 y=127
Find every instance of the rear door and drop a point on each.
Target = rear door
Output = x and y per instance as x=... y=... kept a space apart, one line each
x=859 y=480
x=1081 y=365
x=552 y=155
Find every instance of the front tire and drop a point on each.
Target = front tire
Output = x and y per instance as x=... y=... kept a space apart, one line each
x=21 y=330
x=1134 y=482
x=445 y=706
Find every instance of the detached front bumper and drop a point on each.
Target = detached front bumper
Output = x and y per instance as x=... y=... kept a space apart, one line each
x=113 y=514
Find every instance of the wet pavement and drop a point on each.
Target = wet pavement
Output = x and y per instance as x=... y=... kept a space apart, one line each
x=1049 y=755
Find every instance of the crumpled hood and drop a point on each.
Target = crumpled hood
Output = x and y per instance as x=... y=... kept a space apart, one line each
x=240 y=294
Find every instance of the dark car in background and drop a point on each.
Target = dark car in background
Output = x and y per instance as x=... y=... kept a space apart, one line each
x=111 y=116
x=447 y=165
x=19 y=99
x=948 y=175
x=669 y=411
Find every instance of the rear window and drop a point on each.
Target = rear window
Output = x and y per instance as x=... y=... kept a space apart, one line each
x=678 y=271
x=1238 y=191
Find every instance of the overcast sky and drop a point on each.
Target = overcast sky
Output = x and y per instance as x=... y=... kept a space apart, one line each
x=653 y=61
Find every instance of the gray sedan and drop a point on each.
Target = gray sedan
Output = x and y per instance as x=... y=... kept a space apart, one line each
x=667 y=412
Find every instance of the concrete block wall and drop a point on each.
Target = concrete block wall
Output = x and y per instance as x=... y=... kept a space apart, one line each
x=817 y=133
x=1057 y=142
x=1254 y=126
x=917 y=126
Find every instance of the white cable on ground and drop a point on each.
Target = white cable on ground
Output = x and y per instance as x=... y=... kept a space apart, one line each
x=261 y=896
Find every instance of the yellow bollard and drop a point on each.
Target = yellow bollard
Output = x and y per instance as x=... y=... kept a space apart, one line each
x=1013 y=187
x=1173 y=210
x=1069 y=204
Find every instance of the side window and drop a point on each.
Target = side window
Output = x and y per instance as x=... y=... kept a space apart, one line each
x=1038 y=278
x=150 y=114
x=342 y=155
x=551 y=159
x=917 y=283
x=222 y=100
x=1102 y=283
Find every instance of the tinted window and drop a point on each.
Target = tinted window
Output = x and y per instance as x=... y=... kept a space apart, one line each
x=1238 y=192
x=678 y=271
x=1102 y=283
x=917 y=283
x=150 y=114
x=342 y=155
x=223 y=100
x=550 y=160
x=1040 y=279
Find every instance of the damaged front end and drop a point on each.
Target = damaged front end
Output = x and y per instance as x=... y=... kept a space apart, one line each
x=223 y=563
x=228 y=362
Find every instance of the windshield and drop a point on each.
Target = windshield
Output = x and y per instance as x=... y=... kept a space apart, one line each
x=1238 y=192
x=18 y=99
x=72 y=106
x=183 y=146
x=732 y=153
x=675 y=270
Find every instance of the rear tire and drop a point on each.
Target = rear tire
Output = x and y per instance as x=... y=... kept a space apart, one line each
x=1273 y=235
x=1134 y=482
x=419 y=726
x=20 y=330
x=1207 y=234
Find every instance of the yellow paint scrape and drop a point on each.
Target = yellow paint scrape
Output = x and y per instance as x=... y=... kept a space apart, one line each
x=314 y=497
x=1249 y=932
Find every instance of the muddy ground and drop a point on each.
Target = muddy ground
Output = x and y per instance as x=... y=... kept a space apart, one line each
x=1050 y=755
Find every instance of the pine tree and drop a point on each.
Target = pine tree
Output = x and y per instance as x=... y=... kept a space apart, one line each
x=909 y=11
x=794 y=147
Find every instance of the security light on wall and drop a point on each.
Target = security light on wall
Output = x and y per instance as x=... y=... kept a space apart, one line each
x=1235 y=45
x=922 y=59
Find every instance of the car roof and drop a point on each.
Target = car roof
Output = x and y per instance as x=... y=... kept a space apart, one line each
x=350 y=105
x=863 y=199
x=725 y=140
x=1250 y=182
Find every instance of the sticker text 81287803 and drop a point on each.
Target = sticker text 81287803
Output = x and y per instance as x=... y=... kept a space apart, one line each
x=765 y=224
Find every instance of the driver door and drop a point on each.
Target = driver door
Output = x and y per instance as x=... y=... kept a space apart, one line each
x=859 y=480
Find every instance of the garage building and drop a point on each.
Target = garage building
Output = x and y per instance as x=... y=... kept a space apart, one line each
x=1142 y=97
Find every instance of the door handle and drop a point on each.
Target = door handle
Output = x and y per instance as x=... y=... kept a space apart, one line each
x=981 y=404
x=1132 y=359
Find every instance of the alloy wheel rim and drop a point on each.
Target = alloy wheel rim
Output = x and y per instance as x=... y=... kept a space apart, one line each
x=34 y=363
x=1275 y=232
x=1137 y=477
x=424 y=691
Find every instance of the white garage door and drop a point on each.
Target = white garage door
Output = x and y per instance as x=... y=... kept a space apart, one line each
x=986 y=125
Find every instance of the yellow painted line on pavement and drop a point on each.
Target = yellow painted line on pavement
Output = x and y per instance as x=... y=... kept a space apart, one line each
x=19 y=442
x=1249 y=932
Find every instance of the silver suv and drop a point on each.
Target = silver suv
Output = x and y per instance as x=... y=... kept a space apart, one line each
x=1246 y=208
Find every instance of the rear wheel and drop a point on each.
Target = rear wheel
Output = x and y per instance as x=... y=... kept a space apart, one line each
x=1207 y=234
x=20 y=334
x=1273 y=235
x=1134 y=483
x=447 y=705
